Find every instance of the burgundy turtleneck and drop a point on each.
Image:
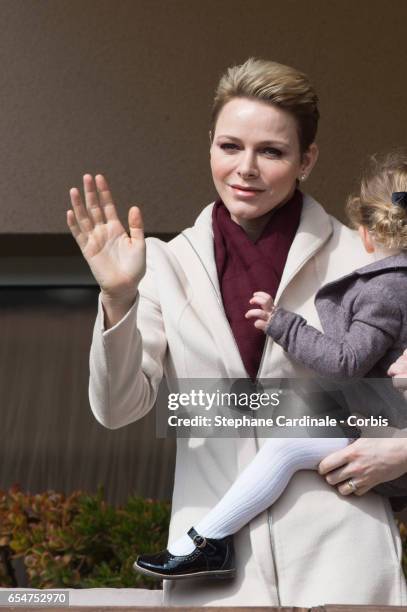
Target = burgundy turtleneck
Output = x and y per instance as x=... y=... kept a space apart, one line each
x=244 y=267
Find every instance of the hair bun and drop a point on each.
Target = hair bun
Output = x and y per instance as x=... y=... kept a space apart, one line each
x=381 y=204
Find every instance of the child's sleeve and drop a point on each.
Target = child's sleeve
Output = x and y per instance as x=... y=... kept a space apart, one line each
x=375 y=326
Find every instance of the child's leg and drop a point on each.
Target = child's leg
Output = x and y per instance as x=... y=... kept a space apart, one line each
x=259 y=485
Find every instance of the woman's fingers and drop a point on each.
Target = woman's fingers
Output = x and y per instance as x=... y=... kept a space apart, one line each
x=339 y=475
x=346 y=489
x=361 y=484
x=106 y=198
x=344 y=465
x=398 y=370
x=92 y=200
x=75 y=229
x=81 y=215
x=333 y=461
x=398 y=367
x=136 y=225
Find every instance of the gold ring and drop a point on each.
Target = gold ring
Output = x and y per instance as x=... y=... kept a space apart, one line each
x=352 y=485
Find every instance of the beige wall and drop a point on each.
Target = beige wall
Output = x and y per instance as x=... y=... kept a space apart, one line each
x=124 y=87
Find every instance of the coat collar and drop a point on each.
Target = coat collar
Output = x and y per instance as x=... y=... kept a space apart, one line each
x=200 y=238
x=314 y=230
x=390 y=263
x=393 y=263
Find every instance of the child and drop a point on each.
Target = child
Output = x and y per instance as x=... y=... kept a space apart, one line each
x=364 y=317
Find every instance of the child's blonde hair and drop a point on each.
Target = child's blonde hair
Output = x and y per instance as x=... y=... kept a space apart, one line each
x=373 y=208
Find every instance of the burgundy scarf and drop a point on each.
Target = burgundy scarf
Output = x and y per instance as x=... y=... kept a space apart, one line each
x=244 y=267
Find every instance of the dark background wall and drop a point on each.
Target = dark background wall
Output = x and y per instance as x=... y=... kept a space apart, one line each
x=125 y=87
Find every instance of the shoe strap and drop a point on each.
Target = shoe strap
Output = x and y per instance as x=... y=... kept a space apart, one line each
x=198 y=540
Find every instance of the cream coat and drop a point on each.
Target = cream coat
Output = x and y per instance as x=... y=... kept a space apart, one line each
x=313 y=546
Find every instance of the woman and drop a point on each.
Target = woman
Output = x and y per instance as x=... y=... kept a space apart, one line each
x=262 y=144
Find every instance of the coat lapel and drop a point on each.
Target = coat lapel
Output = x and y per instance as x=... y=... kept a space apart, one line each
x=314 y=230
x=196 y=252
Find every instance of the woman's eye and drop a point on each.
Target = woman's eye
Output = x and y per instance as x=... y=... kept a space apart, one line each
x=269 y=151
x=272 y=152
x=228 y=146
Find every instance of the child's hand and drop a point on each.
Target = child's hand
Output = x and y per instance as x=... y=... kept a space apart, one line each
x=262 y=314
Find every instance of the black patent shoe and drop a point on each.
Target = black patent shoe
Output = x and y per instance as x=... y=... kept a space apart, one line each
x=211 y=557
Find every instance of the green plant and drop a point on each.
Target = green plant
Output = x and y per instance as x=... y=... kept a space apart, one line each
x=79 y=541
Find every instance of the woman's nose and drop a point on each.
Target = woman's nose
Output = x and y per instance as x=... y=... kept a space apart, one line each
x=248 y=167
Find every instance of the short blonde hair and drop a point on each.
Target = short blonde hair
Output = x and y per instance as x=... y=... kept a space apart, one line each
x=373 y=208
x=275 y=84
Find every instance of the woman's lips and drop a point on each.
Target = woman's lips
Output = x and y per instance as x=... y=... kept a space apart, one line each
x=246 y=192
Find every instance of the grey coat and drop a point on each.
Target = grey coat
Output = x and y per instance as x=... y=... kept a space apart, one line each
x=364 y=318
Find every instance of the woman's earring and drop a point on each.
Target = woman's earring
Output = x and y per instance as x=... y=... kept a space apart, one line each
x=303 y=177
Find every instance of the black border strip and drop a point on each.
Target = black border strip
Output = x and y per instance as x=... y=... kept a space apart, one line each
x=49 y=245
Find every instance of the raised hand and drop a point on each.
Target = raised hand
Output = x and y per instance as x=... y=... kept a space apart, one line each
x=116 y=259
x=262 y=314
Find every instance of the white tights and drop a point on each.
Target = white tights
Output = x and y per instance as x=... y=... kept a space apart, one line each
x=259 y=485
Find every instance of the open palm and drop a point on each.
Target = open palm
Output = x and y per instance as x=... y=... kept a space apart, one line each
x=117 y=259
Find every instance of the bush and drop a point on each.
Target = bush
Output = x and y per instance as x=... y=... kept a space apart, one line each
x=79 y=541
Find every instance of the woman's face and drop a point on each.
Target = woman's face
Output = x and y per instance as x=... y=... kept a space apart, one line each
x=255 y=158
